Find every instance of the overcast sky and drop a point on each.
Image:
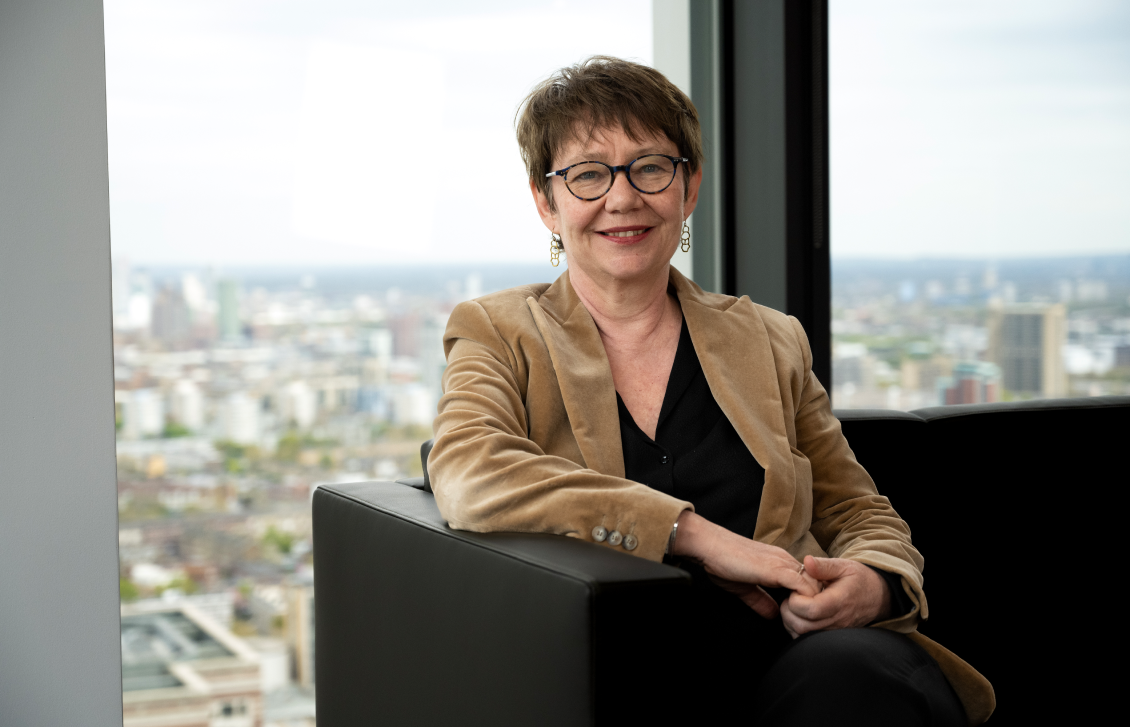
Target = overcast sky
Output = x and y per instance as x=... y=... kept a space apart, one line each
x=980 y=128
x=335 y=132
x=250 y=132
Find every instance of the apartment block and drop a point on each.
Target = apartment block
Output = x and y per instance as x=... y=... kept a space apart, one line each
x=1026 y=341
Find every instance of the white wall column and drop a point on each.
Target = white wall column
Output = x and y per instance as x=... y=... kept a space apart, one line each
x=60 y=639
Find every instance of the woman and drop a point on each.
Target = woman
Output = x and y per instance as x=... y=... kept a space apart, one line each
x=625 y=406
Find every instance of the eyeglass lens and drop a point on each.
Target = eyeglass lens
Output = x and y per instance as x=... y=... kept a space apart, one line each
x=647 y=174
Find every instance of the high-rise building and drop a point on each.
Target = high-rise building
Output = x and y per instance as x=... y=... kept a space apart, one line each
x=1122 y=356
x=239 y=419
x=1026 y=341
x=406 y=334
x=227 y=314
x=186 y=405
x=413 y=404
x=194 y=292
x=172 y=319
x=972 y=382
x=120 y=288
x=380 y=345
x=300 y=632
x=298 y=404
x=142 y=411
x=432 y=358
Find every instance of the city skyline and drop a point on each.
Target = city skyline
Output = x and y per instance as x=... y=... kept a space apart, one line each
x=238 y=392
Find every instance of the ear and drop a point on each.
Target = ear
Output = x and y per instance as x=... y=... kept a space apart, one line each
x=692 y=193
x=548 y=215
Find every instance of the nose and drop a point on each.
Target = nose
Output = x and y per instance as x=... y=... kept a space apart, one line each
x=623 y=197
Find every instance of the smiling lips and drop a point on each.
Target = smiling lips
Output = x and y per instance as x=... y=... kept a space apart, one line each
x=623 y=235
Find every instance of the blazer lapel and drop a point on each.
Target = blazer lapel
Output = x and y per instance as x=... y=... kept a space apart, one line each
x=583 y=375
x=737 y=359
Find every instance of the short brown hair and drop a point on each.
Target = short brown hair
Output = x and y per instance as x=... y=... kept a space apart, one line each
x=601 y=92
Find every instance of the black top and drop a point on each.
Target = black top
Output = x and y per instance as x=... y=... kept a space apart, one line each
x=698 y=456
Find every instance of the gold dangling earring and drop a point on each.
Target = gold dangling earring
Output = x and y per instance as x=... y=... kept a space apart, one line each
x=555 y=249
x=685 y=239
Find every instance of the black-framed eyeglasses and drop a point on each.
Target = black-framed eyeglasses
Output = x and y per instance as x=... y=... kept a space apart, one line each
x=650 y=174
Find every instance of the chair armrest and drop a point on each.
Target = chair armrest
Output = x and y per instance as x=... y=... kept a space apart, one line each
x=416 y=483
x=421 y=624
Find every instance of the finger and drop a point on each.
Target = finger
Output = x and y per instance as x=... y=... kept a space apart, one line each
x=796 y=625
x=811 y=586
x=761 y=602
x=787 y=619
x=826 y=569
x=799 y=581
x=823 y=605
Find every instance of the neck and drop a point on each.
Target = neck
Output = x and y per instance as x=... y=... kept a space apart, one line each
x=626 y=311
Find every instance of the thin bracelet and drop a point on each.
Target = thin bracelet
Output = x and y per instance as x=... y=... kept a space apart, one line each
x=671 y=538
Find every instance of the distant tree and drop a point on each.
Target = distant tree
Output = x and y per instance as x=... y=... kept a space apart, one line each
x=280 y=541
x=417 y=431
x=184 y=584
x=230 y=450
x=127 y=590
x=290 y=444
x=237 y=457
x=174 y=429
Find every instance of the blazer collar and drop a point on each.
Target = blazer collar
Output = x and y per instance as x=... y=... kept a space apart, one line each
x=733 y=346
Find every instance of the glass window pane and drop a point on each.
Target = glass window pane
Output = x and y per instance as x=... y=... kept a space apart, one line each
x=980 y=231
x=300 y=193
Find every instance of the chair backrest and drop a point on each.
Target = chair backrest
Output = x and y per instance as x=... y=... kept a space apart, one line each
x=891 y=444
x=1006 y=503
x=425 y=450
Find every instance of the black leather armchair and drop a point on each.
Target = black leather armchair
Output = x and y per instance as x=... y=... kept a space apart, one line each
x=418 y=624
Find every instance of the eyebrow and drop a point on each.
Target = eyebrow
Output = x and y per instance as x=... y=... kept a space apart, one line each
x=588 y=155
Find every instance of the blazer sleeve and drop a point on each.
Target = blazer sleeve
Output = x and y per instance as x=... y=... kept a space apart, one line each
x=850 y=519
x=488 y=475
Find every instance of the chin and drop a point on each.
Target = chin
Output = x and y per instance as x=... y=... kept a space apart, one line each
x=633 y=267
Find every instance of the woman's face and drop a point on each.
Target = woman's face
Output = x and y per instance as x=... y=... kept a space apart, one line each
x=625 y=235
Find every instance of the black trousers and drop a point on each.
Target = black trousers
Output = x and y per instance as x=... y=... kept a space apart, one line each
x=746 y=670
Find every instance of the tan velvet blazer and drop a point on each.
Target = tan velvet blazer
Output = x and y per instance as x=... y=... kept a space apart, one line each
x=528 y=439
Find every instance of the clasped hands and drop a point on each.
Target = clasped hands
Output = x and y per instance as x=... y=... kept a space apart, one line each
x=829 y=593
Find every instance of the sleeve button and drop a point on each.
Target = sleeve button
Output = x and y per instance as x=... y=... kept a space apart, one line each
x=630 y=542
x=615 y=537
x=599 y=533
